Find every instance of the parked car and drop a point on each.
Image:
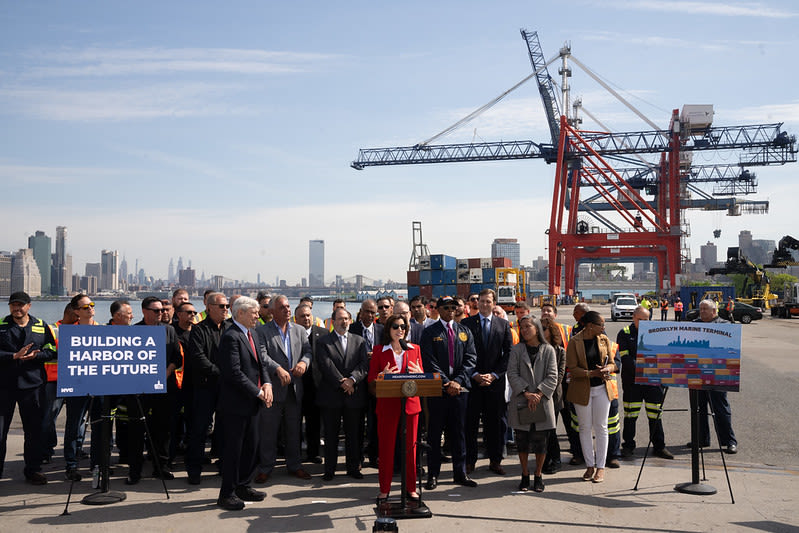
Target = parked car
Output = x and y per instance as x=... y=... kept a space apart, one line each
x=623 y=307
x=743 y=313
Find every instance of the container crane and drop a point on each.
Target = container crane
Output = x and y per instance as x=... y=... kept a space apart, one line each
x=642 y=230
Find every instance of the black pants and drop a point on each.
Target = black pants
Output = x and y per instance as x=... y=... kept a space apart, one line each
x=31 y=411
x=650 y=397
x=156 y=410
x=240 y=454
x=311 y=414
x=353 y=429
x=488 y=403
x=201 y=413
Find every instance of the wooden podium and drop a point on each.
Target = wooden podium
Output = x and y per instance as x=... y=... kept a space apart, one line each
x=405 y=386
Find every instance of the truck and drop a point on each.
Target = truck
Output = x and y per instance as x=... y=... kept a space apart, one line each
x=788 y=306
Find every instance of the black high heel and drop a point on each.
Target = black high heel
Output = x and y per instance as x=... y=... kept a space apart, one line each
x=525 y=483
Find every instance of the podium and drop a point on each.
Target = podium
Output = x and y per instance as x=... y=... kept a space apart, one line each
x=405 y=386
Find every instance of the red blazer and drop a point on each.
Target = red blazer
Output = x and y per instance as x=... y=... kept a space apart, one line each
x=381 y=356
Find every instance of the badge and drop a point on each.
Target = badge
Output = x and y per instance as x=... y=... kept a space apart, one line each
x=409 y=388
x=438 y=339
x=462 y=336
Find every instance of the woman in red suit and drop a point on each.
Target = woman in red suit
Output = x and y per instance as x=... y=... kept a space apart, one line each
x=394 y=355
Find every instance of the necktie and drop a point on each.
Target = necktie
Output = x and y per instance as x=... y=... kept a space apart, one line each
x=254 y=353
x=486 y=330
x=451 y=345
x=343 y=339
x=369 y=343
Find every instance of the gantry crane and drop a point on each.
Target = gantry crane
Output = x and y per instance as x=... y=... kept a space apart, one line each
x=640 y=230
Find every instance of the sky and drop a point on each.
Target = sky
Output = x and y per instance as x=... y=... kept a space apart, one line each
x=223 y=132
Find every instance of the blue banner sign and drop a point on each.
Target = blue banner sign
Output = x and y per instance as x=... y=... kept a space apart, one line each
x=111 y=360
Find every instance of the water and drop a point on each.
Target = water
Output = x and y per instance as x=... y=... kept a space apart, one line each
x=52 y=311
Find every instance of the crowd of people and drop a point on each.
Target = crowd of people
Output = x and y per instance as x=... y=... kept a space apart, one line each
x=252 y=380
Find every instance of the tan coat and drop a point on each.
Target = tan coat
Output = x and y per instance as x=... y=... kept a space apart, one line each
x=580 y=387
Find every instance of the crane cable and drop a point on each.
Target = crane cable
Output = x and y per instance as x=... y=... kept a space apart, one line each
x=474 y=114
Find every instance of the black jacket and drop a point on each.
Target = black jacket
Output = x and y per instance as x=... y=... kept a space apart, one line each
x=200 y=368
x=22 y=375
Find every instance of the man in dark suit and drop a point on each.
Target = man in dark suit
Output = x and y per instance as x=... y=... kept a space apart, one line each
x=492 y=340
x=371 y=331
x=343 y=364
x=288 y=355
x=414 y=333
x=303 y=317
x=448 y=348
x=244 y=389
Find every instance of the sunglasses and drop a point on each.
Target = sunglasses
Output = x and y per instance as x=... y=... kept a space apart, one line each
x=160 y=310
x=223 y=306
x=89 y=305
x=384 y=307
x=396 y=325
x=474 y=299
x=265 y=306
x=190 y=313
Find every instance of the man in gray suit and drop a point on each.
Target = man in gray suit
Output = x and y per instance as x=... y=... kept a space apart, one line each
x=343 y=362
x=288 y=356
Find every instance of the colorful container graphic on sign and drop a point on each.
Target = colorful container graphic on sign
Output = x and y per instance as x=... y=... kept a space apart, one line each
x=110 y=360
x=693 y=355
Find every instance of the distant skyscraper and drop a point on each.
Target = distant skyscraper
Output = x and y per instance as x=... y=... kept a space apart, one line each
x=123 y=273
x=709 y=254
x=187 y=278
x=109 y=270
x=62 y=272
x=25 y=273
x=507 y=248
x=6 y=259
x=42 y=248
x=180 y=264
x=316 y=263
x=170 y=276
x=93 y=269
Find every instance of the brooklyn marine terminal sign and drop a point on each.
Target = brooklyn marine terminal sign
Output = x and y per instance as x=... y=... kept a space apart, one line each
x=111 y=360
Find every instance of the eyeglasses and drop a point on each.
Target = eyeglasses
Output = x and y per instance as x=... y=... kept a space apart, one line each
x=89 y=305
x=474 y=299
x=397 y=325
x=154 y=310
x=223 y=306
x=384 y=307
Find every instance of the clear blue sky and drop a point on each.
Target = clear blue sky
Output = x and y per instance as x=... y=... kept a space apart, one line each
x=223 y=132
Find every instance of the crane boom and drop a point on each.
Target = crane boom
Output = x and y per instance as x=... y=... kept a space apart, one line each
x=545 y=87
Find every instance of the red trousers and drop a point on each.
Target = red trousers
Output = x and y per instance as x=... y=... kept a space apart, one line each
x=388 y=423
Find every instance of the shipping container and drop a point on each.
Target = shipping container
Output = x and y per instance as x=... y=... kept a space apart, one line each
x=426 y=291
x=442 y=262
x=474 y=262
x=489 y=275
x=475 y=288
x=425 y=277
x=463 y=290
x=451 y=290
x=462 y=264
x=413 y=292
x=501 y=262
x=439 y=291
x=413 y=277
x=476 y=275
x=450 y=277
x=437 y=277
x=486 y=262
x=463 y=277
x=424 y=262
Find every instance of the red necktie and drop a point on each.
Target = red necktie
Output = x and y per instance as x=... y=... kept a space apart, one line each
x=451 y=345
x=255 y=355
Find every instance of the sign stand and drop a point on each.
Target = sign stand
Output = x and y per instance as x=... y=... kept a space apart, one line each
x=695 y=487
x=405 y=387
x=104 y=496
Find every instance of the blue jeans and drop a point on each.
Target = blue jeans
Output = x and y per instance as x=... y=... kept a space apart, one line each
x=74 y=429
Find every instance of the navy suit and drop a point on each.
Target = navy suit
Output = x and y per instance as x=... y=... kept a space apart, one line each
x=448 y=412
x=488 y=402
x=240 y=372
x=415 y=336
x=372 y=451
x=286 y=410
x=335 y=365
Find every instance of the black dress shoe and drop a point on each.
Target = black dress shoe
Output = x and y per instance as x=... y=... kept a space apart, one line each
x=231 y=503
x=470 y=468
x=613 y=463
x=628 y=452
x=355 y=474
x=36 y=478
x=132 y=480
x=431 y=484
x=663 y=453
x=250 y=495
x=466 y=481
x=194 y=479
x=327 y=476
x=496 y=468
x=574 y=461
x=732 y=448
x=73 y=475
x=552 y=468
x=315 y=459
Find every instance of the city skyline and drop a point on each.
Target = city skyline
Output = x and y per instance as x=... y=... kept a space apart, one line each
x=161 y=135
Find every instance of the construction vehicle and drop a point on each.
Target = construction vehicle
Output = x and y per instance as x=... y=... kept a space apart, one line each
x=756 y=290
x=511 y=287
x=782 y=256
x=789 y=305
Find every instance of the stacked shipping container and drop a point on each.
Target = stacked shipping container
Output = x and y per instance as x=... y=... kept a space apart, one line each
x=444 y=275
